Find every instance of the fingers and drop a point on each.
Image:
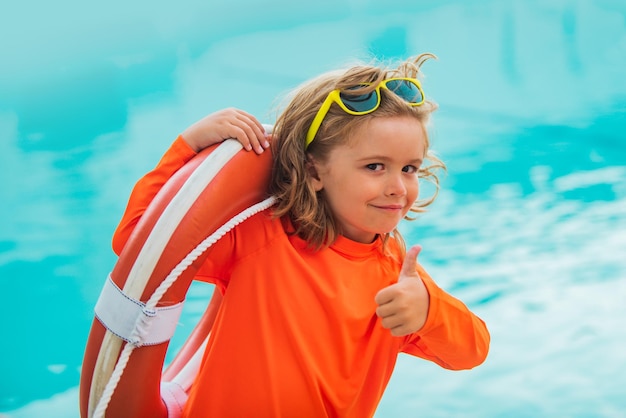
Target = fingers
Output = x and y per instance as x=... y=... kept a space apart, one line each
x=389 y=306
x=410 y=262
x=403 y=306
x=396 y=323
x=408 y=270
x=385 y=295
x=249 y=131
x=225 y=124
x=398 y=330
x=401 y=318
x=385 y=311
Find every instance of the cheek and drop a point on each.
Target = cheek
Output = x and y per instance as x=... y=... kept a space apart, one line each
x=413 y=190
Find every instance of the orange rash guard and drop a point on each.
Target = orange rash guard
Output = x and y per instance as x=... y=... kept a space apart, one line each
x=297 y=334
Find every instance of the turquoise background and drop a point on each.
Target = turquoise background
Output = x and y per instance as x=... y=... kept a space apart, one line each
x=529 y=229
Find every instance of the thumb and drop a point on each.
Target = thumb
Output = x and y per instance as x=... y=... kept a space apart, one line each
x=410 y=262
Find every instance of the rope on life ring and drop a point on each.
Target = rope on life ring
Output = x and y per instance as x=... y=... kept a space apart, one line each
x=143 y=326
x=183 y=220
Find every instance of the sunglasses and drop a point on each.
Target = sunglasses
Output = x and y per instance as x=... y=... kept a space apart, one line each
x=409 y=89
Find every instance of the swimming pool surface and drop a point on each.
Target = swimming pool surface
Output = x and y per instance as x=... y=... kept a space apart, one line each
x=529 y=229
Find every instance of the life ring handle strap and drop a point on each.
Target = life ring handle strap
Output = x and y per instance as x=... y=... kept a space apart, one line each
x=107 y=356
x=122 y=361
x=130 y=319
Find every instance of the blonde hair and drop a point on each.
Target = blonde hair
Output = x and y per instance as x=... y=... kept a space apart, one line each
x=307 y=209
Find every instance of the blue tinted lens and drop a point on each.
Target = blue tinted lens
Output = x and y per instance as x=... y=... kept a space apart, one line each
x=405 y=89
x=360 y=102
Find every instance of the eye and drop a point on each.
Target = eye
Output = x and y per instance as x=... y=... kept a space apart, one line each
x=375 y=167
x=411 y=169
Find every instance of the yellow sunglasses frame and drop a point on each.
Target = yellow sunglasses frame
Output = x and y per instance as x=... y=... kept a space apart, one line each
x=334 y=97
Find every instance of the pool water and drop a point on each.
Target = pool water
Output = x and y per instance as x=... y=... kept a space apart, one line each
x=529 y=229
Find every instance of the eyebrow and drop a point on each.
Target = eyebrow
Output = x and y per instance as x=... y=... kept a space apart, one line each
x=416 y=161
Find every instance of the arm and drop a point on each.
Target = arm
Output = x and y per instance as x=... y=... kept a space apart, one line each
x=452 y=336
x=147 y=187
x=437 y=326
x=212 y=129
x=144 y=367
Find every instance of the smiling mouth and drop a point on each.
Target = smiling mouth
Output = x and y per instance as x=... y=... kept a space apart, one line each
x=389 y=207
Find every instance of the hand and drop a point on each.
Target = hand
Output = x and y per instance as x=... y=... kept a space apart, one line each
x=224 y=124
x=403 y=306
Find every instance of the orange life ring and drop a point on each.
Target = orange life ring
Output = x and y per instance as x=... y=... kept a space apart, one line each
x=138 y=391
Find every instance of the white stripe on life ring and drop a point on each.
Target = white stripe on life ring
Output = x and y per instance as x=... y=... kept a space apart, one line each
x=173 y=214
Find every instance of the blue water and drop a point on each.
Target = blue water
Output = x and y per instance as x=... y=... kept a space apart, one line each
x=529 y=229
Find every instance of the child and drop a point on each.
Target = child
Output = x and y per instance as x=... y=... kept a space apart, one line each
x=320 y=295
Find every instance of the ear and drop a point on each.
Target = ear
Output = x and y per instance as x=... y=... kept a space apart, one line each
x=314 y=178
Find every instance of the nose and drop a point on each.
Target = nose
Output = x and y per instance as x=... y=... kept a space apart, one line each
x=395 y=185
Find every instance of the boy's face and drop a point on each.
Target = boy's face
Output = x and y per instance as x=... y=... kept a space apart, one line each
x=371 y=182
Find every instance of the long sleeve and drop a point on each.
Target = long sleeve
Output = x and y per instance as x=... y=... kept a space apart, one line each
x=148 y=186
x=453 y=336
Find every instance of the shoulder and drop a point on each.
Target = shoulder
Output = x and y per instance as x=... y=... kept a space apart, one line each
x=260 y=223
x=257 y=231
x=247 y=238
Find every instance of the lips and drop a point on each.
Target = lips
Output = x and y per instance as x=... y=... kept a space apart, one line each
x=389 y=207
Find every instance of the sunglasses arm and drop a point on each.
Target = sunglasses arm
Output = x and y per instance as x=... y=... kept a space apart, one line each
x=319 y=117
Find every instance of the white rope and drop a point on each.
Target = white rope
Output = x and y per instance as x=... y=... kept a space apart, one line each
x=143 y=323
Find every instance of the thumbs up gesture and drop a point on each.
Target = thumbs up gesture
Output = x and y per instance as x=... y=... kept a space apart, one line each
x=403 y=306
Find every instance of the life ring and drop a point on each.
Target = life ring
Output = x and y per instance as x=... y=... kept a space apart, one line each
x=196 y=203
